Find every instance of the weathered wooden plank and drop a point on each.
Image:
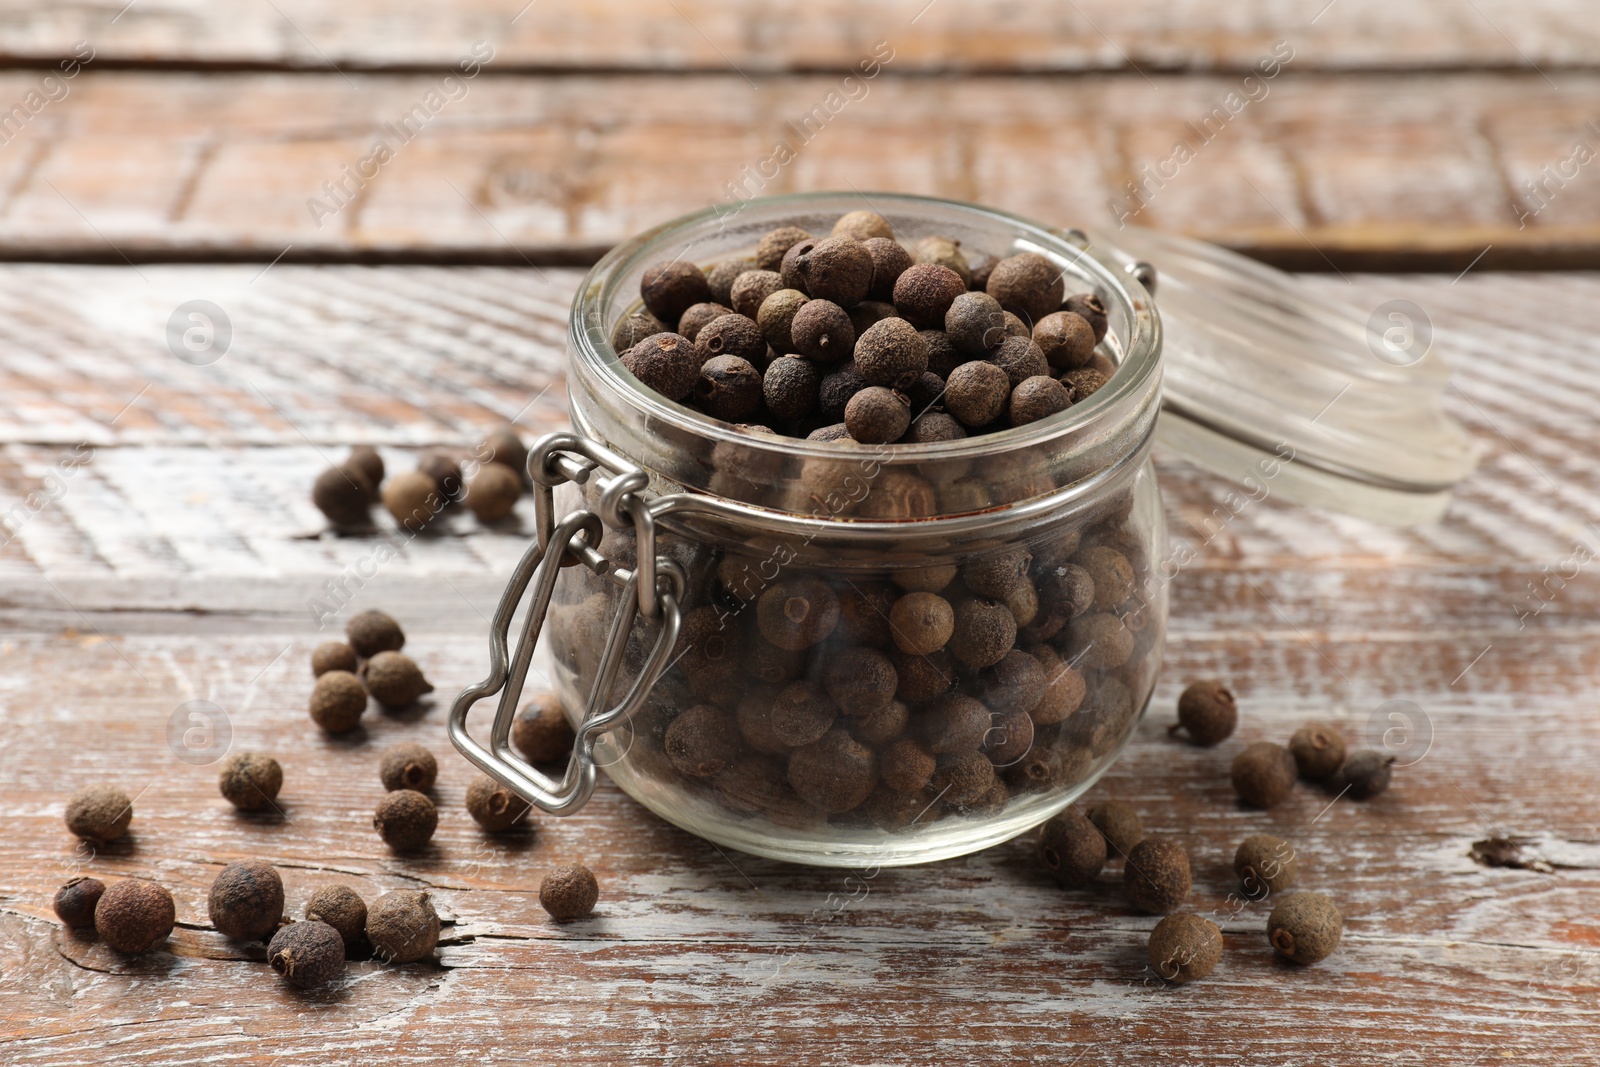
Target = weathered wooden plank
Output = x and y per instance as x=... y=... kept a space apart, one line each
x=792 y=36
x=1314 y=169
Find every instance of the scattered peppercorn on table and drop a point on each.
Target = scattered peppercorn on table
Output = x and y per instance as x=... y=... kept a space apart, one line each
x=168 y=583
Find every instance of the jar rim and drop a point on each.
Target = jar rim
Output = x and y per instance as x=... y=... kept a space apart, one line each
x=1140 y=350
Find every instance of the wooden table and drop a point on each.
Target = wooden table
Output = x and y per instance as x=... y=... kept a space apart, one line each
x=173 y=555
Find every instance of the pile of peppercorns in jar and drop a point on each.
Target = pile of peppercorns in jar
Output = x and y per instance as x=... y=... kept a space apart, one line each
x=855 y=337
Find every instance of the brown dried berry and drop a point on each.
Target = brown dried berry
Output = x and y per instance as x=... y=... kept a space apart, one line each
x=665 y=362
x=982 y=265
x=633 y=328
x=246 y=900
x=1305 y=927
x=860 y=680
x=1016 y=683
x=1083 y=382
x=836 y=390
x=822 y=330
x=307 y=954
x=889 y=260
x=1099 y=641
x=494 y=806
x=877 y=415
x=1010 y=737
x=943 y=355
x=1027 y=284
x=891 y=353
x=835 y=773
x=862 y=225
x=774 y=243
x=338 y=701
x=394 y=680
x=366 y=459
x=751 y=289
x=1184 y=948
x=505 y=446
x=1318 y=751
x=1111 y=573
x=729 y=388
x=985 y=631
x=75 y=902
x=932 y=427
x=801 y=713
x=413 y=499
x=670 y=288
x=341 y=908
x=1072 y=849
x=1020 y=358
x=953 y=723
x=250 y=781
x=333 y=656
x=1265 y=865
x=699 y=316
x=99 y=813
x=946 y=252
x=1263 y=774
x=731 y=335
x=569 y=892
x=975 y=324
x=925 y=292
x=963 y=778
x=1036 y=398
x=344 y=495
x=834 y=268
x=408 y=765
x=1090 y=308
x=493 y=492
x=921 y=623
x=1207 y=712
x=926 y=393
x=444 y=467
x=976 y=393
x=701 y=741
x=135 y=915
x=923 y=677
x=1066 y=338
x=790 y=387
x=406 y=820
x=1367 y=773
x=371 y=632
x=1064 y=688
x=776 y=318
x=1156 y=877
x=402 y=926
x=720 y=279
x=797 y=613
x=1119 y=823
x=541 y=731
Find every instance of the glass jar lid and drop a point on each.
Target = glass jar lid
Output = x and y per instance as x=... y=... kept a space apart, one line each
x=1295 y=394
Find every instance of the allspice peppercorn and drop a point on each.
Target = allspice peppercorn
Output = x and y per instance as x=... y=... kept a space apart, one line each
x=889 y=260
x=834 y=268
x=751 y=289
x=877 y=415
x=945 y=251
x=371 y=632
x=1265 y=865
x=408 y=765
x=800 y=714
x=1111 y=573
x=963 y=778
x=1305 y=927
x=719 y=279
x=797 y=613
x=698 y=316
x=402 y=926
x=505 y=446
x=859 y=680
x=729 y=388
x=541 y=731
x=952 y=724
x=246 y=900
x=443 y=466
x=981 y=266
x=921 y=623
x=633 y=328
x=1066 y=339
x=906 y=766
x=1016 y=683
x=1099 y=641
x=1036 y=398
x=1156 y=877
x=307 y=954
x=569 y=892
x=1072 y=849
x=891 y=353
x=862 y=225
x=1184 y=947
x=344 y=495
x=1021 y=359
x=493 y=492
x=341 y=908
x=665 y=362
x=1318 y=751
x=394 y=680
x=701 y=741
x=333 y=656
x=1028 y=284
x=366 y=459
x=1082 y=383
x=99 y=813
x=790 y=387
x=985 y=630
x=774 y=243
x=975 y=324
x=135 y=915
x=1119 y=823
x=670 y=288
x=934 y=426
x=925 y=291
x=75 y=902
x=943 y=355
x=976 y=393
x=406 y=820
x=836 y=390
x=1092 y=310
x=776 y=318
x=835 y=773
x=1263 y=774
x=338 y=701
x=822 y=331
x=731 y=335
x=1207 y=712
x=250 y=781
x=493 y=806
x=1367 y=773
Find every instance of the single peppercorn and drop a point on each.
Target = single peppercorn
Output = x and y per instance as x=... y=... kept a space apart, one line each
x=665 y=362
x=963 y=778
x=877 y=415
x=75 y=902
x=994 y=574
x=1066 y=339
x=344 y=495
x=932 y=427
x=925 y=394
x=1027 y=284
x=976 y=393
x=731 y=335
x=338 y=701
x=822 y=330
x=834 y=394
x=1263 y=774
x=945 y=251
x=921 y=623
x=307 y=954
x=701 y=741
x=1111 y=573
x=250 y=781
x=333 y=656
x=1090 y=308
x=975 y=324
x=751 y=289
x=246 y=900
x=1305 y=927
x=569 y=892
x=869 y=313
x=889 y=260
x=671 y=288
x=444 y=467
x=1083 y=383
x=341 y=908
x=541 y=731
x=366 y=459
x=1036 y=398
x=790 y=387
x=1020 y=358
x=698 y=316
x=494 y=806
x=1099 y=641
x=1071 y=849
x=371 y=632
x=774 y=243
x=1119 y=823
x=943 y=355
x=413 y=499
x=797 y=613
x=859 y=680
x=1184 y=947
x=925 y=292
x=985 y=630
x=408 y=765
x=99 y=813
x=394 y=680
x=1064 y=688
x=633 y=328
x=776 y=318
x=835 y=773
x=801 y=713
x=862 y=225
x=953 y=723
x=720 y=279
x=505 y=446
x=406 y=820
x=1156 y=877
x=891 y=353
x=906 y=766
x=402 y=926
x=1016 y=683
x=493 y=492
x=1367 y=773
x=1207 y=712
x=1265 y=865
x=1318 y=751
x=834 y=268
x=729 y=388
x=135 y=915
x=923 y=677
x=1010 y=737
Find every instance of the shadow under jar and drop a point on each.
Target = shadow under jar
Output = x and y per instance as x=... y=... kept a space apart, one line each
x=841 y=654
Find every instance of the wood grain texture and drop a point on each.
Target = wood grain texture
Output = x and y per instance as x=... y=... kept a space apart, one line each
x=1318 y=171
x=174 y=567
x=788 y=36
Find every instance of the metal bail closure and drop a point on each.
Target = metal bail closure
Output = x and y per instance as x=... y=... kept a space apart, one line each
x=575 y=539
